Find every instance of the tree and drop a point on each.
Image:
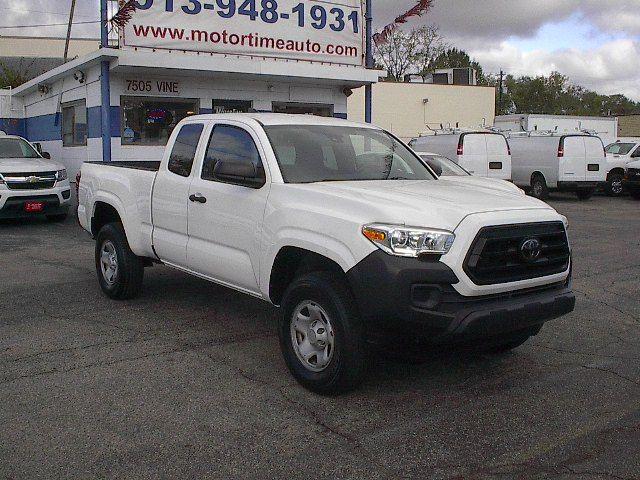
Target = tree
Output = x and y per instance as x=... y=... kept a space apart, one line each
x=396 y=54
x=430 y=46
x=455 y=58
x=401 y=53
x=12 y=77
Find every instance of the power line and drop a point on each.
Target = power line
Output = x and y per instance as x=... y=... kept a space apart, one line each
x=48 y=24
x=20 y=10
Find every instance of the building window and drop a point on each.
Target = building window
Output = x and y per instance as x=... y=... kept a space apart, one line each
x=150 y=121
x=74 y=124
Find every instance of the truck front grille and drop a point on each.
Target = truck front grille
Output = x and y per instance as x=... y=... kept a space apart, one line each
x=512 y=253
x=29 y=180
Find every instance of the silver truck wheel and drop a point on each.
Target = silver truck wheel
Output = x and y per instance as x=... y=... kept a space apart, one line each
x=109 y=262
x=312 y=336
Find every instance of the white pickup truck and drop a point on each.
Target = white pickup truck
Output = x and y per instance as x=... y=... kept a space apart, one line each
x=340 y=225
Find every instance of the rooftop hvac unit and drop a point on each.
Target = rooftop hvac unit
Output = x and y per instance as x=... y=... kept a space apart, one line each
x=456 y=76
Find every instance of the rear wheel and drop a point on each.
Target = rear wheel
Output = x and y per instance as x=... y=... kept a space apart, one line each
x=585 y=193
x=321 y=334
x=120 y=271
x=539 y=187
x=613 y=188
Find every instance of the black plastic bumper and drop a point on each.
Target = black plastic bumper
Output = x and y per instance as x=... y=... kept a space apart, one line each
x=573 y=186
x=412 y=297
x=14 y=206
x=631 y=185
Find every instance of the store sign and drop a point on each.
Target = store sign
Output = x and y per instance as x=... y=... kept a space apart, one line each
x=143 y=86
x=231 y=106
x=321 y=31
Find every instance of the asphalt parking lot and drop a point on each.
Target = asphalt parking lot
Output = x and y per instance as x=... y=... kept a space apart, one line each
x=187 y=381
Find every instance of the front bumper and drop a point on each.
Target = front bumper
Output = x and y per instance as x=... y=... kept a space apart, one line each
x=631 y=185
x=573 y=186
x=12 y=205
x=409 y=297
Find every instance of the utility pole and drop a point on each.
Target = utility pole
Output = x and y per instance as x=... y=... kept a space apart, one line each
x=368 y=89
x=66 y=44
x=105 y=85
x=501 y=92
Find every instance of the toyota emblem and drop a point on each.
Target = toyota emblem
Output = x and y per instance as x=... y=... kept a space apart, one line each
x=530 y=250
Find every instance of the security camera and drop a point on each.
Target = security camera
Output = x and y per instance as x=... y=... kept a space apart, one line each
x=44 y=89
x=79 y=76
x=347 y=92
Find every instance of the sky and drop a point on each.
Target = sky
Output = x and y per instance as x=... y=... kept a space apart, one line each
x=594 y=42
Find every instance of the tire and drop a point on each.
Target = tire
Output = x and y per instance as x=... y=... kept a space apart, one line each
x=539 y=187
x=61 y=217
x=334 y=333
x=585 y=193
x=613 y=187
x=123 y=279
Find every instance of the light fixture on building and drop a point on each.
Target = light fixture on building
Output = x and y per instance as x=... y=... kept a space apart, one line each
x=44 y=89
x=79 y=76
x=347 y=92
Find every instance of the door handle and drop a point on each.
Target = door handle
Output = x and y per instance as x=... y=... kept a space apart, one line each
x=197 y=198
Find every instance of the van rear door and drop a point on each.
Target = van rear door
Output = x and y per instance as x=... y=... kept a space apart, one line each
x=572 y=159
x=498 y=157
x=596 y=160
x=473 y=147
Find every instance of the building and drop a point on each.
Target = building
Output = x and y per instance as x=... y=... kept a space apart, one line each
x=410 y=109
x=154 y=82
x=605 y=127
x=629 y=126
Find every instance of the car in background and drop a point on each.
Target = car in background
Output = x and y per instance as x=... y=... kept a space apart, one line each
x=547 y=161
x=30 y=182
x=631 y=182
x=482 y=153
x=452 y=172
x=619 y=154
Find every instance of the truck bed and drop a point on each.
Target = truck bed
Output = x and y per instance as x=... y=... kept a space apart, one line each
x=136 y=165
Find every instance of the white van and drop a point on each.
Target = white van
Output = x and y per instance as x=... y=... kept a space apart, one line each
x=568 y=163
x=481 y=153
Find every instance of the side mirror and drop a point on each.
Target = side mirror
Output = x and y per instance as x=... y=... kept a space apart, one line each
x=46 y=155
x=636 y=154
x=237 y=173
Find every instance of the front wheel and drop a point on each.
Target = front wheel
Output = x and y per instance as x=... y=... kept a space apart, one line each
x=614 y=188
x=585 y=193
x=321 y=334
x=120 y=271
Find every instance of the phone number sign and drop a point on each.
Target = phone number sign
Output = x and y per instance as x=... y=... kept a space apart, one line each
x=312 y=30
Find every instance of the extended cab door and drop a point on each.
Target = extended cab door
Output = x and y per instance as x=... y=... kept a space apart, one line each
x=226 y=213
x=170 y=196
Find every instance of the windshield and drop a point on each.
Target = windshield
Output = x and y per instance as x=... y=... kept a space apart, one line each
x=620 y=148
x=444 y=166
x=313 y=153
x=16 y=148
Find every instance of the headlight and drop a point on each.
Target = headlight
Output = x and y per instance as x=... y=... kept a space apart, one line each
x=61 y=175
x=409 y=241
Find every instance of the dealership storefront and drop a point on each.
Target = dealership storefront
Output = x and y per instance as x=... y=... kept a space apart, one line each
x=155 y=82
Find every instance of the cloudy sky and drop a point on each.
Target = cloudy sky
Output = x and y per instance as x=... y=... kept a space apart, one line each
x=595 y=43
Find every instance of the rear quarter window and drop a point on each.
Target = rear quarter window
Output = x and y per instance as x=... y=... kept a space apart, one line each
x=184 y=149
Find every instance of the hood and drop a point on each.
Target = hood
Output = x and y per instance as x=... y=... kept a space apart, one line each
x=432 y=203
x=28 y=165
x=491 y=184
